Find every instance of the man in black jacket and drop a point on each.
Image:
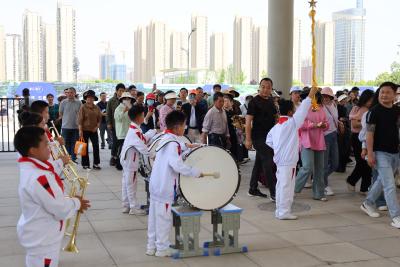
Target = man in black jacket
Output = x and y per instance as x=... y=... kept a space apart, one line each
x=194 y=118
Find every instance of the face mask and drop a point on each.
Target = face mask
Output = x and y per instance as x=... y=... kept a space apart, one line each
x=127 y=103
x=150 y=102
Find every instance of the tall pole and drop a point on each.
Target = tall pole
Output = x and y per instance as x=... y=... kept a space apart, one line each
x=314 y=83
x=188 y=55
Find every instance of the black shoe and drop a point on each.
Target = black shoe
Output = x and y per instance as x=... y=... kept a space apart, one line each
x=75 y=161
x=112 y=161
x=86 y=167
x=256 y=193
x=272 y=198
x=119 y=167
x=96 y=167
x=110 y=147
x=102 y=147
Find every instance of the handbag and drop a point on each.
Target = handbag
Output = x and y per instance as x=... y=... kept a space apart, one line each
x=80 y=147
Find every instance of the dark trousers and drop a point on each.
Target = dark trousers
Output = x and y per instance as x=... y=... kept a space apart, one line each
x=362 y=169
x=70 y=136
x=264 y=161
x=217 y=140
x=119 y=144
x=114 y=147
x=94 y=139
x=344 y=143
x=103 y=129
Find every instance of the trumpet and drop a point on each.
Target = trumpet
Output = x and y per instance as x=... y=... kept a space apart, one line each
x=71 y=245
x=69 y=170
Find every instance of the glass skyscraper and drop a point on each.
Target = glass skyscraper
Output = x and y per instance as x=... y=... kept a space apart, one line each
x=349 y=31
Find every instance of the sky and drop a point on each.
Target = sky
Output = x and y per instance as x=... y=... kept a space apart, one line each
x=115 y=21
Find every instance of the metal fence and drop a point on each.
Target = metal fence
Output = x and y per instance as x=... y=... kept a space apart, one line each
x=9 y=124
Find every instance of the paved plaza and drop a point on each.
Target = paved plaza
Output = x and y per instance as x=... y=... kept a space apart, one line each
x=335 y=233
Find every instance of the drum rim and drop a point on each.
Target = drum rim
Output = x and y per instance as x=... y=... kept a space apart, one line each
x=237 y=187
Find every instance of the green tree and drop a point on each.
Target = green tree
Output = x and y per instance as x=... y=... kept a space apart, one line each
x=264 y=74
x=383 y=77
x=240 y=77
x=297 y=83
x=230 y=74
x=221 y=76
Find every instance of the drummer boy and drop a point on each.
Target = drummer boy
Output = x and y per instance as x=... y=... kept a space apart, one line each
x=284 y=140
x=135 y=144
x=167 y=166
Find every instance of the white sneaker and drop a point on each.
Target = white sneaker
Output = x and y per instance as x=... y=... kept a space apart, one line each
x=151 y=252
x=396 y=222
x=383 y=208
x=369 y=210
x=169 y=252
x=125 y=210
x=137 y=212
x=288 y=217
x=329 y=191
x=308 y=185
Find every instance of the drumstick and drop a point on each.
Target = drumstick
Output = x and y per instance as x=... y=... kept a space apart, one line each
x=213 y=174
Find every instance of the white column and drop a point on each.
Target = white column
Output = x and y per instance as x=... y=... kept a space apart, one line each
x=280 y=43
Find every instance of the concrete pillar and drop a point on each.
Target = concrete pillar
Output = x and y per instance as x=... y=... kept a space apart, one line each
x=280 y=43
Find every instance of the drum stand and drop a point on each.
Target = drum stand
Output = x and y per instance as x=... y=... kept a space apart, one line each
x=186 y=222
x=225 y=242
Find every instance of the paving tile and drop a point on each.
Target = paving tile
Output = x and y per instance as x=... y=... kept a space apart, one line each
x=308 y=237
x=371 y=263
x=385 y=247
x=339 y=252
x=283 y=258
x=264 y=241
x=359 y=232
x=232 y=260
x=129 y=223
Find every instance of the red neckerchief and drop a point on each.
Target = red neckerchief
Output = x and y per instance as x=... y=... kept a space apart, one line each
x=282 y=119
x=50 y=169
x=167 y=131
x=138 y=133
x=49 y=135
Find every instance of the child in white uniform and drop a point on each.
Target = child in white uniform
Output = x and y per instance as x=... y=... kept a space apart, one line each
x=284 y=140
x=44 y=207
x=135 y=144
x=164 y=175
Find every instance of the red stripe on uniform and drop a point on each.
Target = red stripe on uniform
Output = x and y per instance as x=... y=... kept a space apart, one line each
x=166 y=207
x=45 y=183
x=134 y=177
x=47 y=262
x=61 y=225
x=134 y=157
x=293 y=172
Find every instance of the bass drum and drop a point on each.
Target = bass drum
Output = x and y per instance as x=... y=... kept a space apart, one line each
x=209 y=193
x=153 y=145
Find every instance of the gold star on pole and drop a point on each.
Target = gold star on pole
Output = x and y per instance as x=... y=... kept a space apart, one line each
x=313 y=3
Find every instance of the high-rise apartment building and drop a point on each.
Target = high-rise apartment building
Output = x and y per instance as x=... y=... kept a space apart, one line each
x=199 y=42
x=178 y=56
x=324 y=47
x=140 y=54
x=33 y=46
x=50 y=53
x=106 y=59
x=349 y=34
x=218 y=51
x=158 y=50
x=259 y=53
x=66 y=43
x=2 y=55
x=242 y=45
x=14 y=58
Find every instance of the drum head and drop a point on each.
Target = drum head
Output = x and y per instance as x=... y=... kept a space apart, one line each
x=209 y=193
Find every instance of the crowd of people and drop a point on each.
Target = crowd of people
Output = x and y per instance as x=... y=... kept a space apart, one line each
x=298 y=143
